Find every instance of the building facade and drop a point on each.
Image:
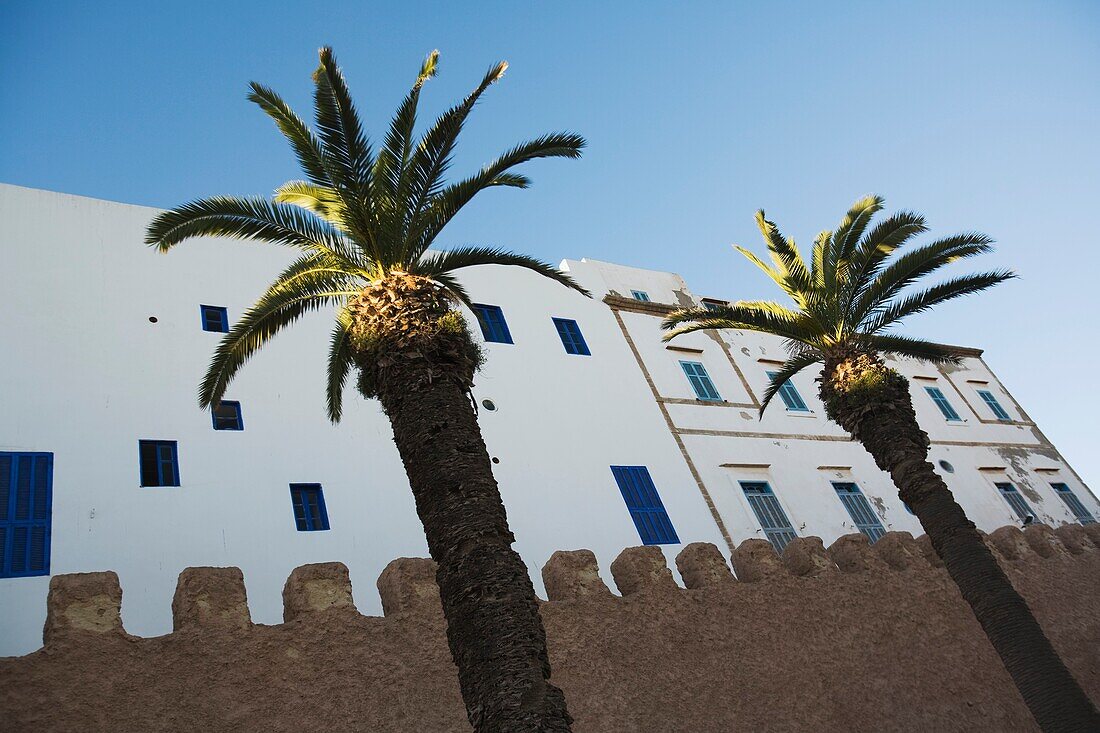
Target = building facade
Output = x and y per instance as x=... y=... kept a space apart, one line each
x=602 y=436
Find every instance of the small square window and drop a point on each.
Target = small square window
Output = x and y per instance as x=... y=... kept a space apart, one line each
x=571 y=338
x=159 y=461
x=308 y=502
x=493 y=326
x=227 y=416
x=214 y=318
x=640 y=295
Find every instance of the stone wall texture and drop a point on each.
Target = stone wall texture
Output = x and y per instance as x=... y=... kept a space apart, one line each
x=847 y=638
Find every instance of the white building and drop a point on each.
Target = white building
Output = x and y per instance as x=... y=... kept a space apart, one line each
x=104 y=345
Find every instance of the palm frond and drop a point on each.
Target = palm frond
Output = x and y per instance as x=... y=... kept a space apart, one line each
x=914 y=348
x=274 y=311
x=795 y=363
x=437 y=264
x=788 y=260
x=432 y=157
x=876 y=247
x=307 y=148
x=320 y=200
x=443 y=206
x=339 y=126
x=915 y=264
x=251 y=218
x=851 y=229
x=762 y=316
x=924 y=300
x=339 y=364
x=392 y=159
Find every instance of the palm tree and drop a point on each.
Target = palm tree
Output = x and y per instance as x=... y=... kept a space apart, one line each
x=363 y=221
x=846 y=302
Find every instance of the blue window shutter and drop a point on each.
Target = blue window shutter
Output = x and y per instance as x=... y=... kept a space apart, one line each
x=227 y=416
x=790 y=396
x=942 y=403
x=159 y=463
x=1016 y=501
x=860 y=510
x=993 y=404
x=1084 y=516
x=214 y=318
x=308 y=503
x=773 y=520
x=640 y=295
x=26 y=514
x=700 y=381
x=645 y=505
x=493 y=326
x=570 y=334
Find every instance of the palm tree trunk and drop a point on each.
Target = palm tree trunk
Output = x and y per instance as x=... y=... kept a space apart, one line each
x=493 y=625
x=873 y=403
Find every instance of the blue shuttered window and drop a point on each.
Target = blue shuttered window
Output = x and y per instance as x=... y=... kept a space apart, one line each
x=159 y=463
x=571 y=338
x=493 y=326
x=942 y=403
x=214 y=318
x=26 y=498
x=227 y=416
x=773 y=520
x=640 y=295
x=993 y=404
x=1016 y=501
x=308 y=501
x=700 y=381
x=646 y=508
x=1084 y=516
x=791 y=398
x=860 y=510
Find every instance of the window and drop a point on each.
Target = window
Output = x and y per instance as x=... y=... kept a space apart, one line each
x=700 y=381
x=646 y=509
x=571 y=337
x=26 y=495
x=791 y=398
x=860 y=510
x=773 y=520
x=1084 y=516
x=227 y=416
x=1012 y=496
x=712 y=305
x=994 y=405
x=942 y=403
x=214 y=318
x=308 y=501
x=640 y=295
x=493 y=326
x=159 y=463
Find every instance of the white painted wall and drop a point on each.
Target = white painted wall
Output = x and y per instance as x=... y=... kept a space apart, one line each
x=85 y=375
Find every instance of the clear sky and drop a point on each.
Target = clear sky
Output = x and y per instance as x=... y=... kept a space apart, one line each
x=981 y=115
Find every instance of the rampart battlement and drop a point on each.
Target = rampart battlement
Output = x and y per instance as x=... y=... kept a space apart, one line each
x=215 y=597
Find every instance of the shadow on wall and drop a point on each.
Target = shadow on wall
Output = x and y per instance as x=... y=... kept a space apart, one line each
x=852 y=637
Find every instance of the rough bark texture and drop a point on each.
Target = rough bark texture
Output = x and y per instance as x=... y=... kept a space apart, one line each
x=873 y=403
x=890 y=648
x=416 y=355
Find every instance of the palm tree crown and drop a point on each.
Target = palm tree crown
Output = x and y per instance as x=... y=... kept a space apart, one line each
x=853 y=291
x=358 y=218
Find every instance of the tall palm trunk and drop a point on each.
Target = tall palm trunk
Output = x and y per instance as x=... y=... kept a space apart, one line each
x=418 y=359
x=873 y=403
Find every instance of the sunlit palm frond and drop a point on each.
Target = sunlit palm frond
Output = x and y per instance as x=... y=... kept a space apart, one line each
x=760 y=316
x=918 y=302
x=307 y=147
x=908 y=346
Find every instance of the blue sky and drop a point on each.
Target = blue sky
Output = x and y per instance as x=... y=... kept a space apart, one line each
x=980 y=115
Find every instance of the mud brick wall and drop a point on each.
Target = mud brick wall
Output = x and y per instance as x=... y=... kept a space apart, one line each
x=848 y=638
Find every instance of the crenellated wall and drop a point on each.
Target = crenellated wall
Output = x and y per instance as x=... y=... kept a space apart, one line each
x=851 y=637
